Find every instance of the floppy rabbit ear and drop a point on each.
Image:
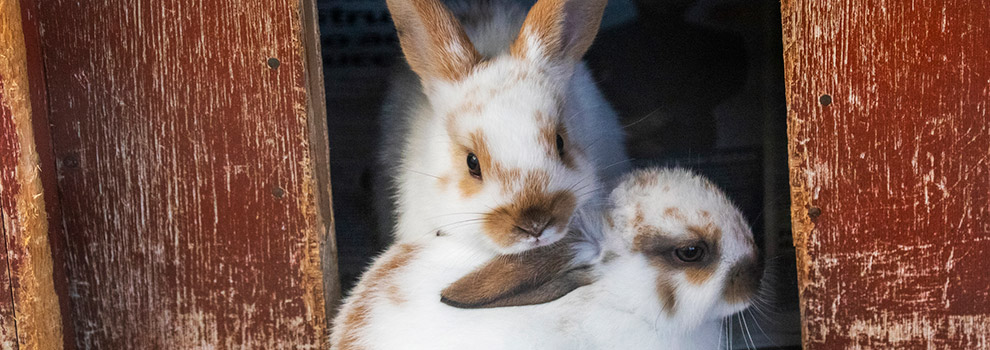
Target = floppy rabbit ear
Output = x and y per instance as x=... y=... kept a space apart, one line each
x=434 y=43
x=558 y=30
x=532 y=277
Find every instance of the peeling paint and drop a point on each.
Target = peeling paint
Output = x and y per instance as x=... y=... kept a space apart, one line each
x=171 y=132
x=898 y=165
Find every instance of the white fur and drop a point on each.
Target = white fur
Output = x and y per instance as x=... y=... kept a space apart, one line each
x=620 y=310
x=417 y=148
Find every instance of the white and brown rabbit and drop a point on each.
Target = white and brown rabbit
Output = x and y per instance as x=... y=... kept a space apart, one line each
x=672 y=258
x=497 y=134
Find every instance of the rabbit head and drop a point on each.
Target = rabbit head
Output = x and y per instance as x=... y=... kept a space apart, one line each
x=707 y=263
x=498 y=150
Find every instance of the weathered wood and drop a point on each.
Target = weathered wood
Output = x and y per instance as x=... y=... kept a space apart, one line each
x=36 y=321
x=46 y=164
x=194 y=182
x=890 y=171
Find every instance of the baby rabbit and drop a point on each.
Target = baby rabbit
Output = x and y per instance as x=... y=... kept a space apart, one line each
x=670 y=260
x=500 y=135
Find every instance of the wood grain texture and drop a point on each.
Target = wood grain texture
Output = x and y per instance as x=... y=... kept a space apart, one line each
x=46 y=164
x=194 y=195
x=890 y=174
x=36 y=317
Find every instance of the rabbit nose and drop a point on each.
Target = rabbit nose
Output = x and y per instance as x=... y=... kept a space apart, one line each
x=534 y=228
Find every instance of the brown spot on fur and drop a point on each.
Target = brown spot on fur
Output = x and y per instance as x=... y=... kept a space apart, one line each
x=531 y=208
x=667 y=294
x=434 y=44
x=698 y=276
x=355 y=319
x=674 y=213
x=645 y=179
x=709 y=232
x=378 y=282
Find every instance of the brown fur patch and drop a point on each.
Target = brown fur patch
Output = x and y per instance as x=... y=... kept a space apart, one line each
x=709 y=232
x=698 y=276
x=674 y=213
x=645 y=179
x=377 y=282
x=667 y=294
x=530 y=208
x=355 y=319
x=427 y=33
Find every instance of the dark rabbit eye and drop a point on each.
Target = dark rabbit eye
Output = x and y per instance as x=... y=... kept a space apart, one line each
x=473 y=166
x=560 y=146
x=692 y=253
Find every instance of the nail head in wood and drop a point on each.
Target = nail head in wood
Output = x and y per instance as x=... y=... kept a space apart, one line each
x=825 y=100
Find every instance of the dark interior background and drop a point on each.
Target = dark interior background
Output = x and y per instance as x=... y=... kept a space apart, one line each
x=698 y=83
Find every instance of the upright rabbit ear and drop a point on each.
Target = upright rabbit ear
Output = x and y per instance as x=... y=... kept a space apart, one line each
x=558 y=30
x=532 y=277
x=434 y=43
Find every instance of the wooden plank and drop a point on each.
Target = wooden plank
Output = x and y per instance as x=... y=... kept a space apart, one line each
x=46 y=164
x=194 y=186
x=36 y=314
x=890 y=171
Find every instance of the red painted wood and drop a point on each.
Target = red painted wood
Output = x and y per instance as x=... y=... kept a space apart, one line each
x=8 y=148
x=192 y=177
x=890 y=173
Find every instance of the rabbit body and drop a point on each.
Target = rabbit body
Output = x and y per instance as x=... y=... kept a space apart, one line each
x=639 y=299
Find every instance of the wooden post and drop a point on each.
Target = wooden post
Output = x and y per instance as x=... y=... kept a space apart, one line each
x=30 y=315
x=889 y=127
x=190 y=138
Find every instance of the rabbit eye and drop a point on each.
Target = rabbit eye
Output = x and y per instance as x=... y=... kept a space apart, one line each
x=560 y=146
x=473 y=166
x=691 y=253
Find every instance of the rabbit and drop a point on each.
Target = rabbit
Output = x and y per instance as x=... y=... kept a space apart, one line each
x=496 y=133
x=659 y=268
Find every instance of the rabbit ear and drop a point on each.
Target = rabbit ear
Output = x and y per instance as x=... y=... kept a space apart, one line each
x=558 y=30
x=532 y=277
x=432 y=40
